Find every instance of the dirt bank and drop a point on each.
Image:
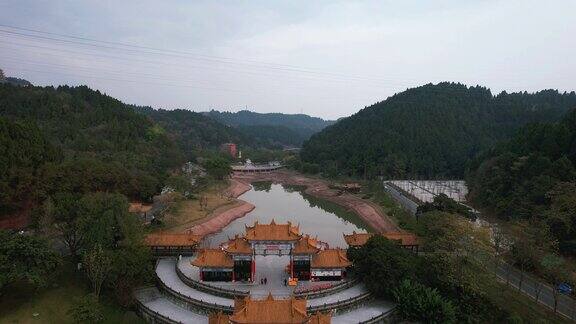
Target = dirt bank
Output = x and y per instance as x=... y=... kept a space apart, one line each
x=220 y=218
x=368 y=211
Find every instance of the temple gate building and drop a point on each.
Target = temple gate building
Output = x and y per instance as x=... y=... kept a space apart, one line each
x=172 y=243
x=269 y=311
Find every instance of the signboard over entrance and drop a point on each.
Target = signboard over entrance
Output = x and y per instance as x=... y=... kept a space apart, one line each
x=272 y=249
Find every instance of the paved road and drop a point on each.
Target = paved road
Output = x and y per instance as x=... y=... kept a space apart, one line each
x=530 y=287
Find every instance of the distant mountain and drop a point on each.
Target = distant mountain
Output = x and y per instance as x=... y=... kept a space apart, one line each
x=13 y=81
x=283 y=129
x=430 y=131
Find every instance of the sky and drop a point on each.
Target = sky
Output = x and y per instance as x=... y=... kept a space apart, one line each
x=322 y=58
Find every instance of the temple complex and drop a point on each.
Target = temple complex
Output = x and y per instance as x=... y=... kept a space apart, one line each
x=406 y=240
x=310 y=259
x=269 y=310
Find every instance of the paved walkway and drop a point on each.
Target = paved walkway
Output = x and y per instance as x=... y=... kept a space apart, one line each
x=154 y=301
x=166 y=272
x=364 y=313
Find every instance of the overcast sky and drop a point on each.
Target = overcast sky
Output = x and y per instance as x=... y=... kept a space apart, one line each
x=322 y=58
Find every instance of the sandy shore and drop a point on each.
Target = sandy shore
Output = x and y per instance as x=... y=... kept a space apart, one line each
x=368 y=211
x=224 y=215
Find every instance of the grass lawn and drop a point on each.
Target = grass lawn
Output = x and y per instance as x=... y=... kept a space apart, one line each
x=185 y=213
x=23 y=304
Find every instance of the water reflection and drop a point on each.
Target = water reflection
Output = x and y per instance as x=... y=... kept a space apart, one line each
x=316 y=217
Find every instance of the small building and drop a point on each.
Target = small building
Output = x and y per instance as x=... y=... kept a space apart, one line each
x=329 y=264
x=301 y=257
x=230 y=148
x=172 y=243
x=269 y=311
x=404 y=239
x=242 y=254
x=215 y=265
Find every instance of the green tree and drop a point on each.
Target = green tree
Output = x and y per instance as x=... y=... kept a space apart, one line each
x=97 y=264
x=218 y=168
x=417 y=302
x=25 y=258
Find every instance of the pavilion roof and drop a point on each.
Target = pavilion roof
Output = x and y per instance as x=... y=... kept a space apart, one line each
x=213 y=258
x=172 y=239
x=238 y=245
x=269 y=310
x=320 y=318
x=272 y=232
x=403 y=238
x=330 y=258
x=218 y=318
x=306 y=245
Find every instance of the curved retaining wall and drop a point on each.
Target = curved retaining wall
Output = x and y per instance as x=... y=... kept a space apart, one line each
x=325 y=292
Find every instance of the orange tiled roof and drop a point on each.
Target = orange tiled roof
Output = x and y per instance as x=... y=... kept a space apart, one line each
x=213 y=258
x=269 y=310
x=330 y=258
x=272 y=232
x=238 y=245
x=357 y=239
x=404 y=238
x=218 y=318
x=136 y=207
x=320 y=318
x=306 y=245
x=172 y=239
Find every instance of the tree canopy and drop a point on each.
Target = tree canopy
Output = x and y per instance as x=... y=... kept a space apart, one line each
x=430 y=131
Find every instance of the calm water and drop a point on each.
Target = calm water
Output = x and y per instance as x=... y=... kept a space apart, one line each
x=289 y=203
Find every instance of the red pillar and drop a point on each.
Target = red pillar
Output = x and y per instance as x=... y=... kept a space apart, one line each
x=233 y=275
x=291 y=267
x=252 y=269
x=201 y=275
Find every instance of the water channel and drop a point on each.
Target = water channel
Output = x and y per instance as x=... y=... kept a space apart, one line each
x=283 y=203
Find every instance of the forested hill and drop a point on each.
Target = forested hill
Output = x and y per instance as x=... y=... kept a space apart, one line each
x=532 y=177
x=195 y=131
x=100 y=144
x=279 y=128
x=430 y=131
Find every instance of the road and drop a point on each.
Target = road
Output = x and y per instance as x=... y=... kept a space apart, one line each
x=530 y=287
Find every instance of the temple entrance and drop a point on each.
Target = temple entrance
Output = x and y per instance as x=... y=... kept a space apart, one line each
x=301 y=269
x=243 y=270
x=216 y=275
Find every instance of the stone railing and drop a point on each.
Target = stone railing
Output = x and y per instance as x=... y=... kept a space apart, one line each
x=227 y=293
x=152 y=316
x=341 y=304
x=192 y=304
x=386 y=317
x=327 y=291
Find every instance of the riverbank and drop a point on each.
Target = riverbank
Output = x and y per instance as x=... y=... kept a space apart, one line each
x=369 y=212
